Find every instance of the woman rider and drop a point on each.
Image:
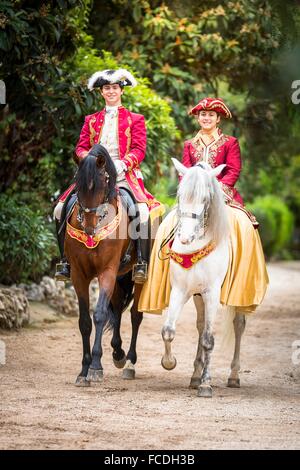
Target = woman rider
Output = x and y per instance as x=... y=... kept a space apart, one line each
x=246 y=281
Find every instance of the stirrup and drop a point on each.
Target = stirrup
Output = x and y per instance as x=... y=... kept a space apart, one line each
x=62 y=272
x=140 y=273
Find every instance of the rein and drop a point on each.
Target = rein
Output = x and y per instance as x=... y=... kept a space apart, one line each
x=165 y=242
x=101 y=211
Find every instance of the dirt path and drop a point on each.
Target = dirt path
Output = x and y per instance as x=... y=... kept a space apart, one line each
x=40 y=408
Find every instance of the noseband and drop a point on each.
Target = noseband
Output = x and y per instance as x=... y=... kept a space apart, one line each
x=101 y=211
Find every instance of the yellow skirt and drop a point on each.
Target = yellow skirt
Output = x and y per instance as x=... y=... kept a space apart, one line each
x=246 y=280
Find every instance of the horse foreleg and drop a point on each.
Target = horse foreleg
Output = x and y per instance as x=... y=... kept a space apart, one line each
x=199 y=360
x=103 y=317
x=119 y=356
x=85 y=327
x=136 y=320
x=177 y=301
x=211 y=302
x=239 y=324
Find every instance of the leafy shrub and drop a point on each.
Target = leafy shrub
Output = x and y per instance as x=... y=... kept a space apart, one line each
x=276 y=224
x=27 y=245
x=165 y=190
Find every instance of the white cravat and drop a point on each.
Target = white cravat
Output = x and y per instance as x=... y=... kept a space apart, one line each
x=109 y=136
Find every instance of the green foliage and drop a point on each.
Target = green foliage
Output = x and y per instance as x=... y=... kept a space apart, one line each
x=165 y=190
x=34 y=43
x=27 y=246
x=277 y=178
x=186 y=48
x=276 y=224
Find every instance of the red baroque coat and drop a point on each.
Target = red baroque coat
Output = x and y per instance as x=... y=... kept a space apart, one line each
x=223 y=149
x=132 y=148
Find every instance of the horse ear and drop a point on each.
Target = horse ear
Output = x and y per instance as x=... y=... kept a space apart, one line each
x=101 y=161
x=216 y=171
x=181 y=169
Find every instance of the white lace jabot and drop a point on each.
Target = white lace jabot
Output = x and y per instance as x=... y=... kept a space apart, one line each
x=112 y=111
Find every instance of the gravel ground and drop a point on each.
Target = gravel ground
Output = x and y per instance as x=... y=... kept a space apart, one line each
x=40 y=408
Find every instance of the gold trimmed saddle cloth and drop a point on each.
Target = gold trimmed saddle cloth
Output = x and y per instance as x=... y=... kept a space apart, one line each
x=246 y=280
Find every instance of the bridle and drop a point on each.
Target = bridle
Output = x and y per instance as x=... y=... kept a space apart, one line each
x=101 y=211
x=202 y=223
x=201 y=218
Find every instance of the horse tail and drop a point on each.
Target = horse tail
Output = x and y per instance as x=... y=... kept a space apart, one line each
x=227 y=330
x=126 y=284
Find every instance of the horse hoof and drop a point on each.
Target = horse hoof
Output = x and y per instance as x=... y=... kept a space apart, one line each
x=128 y=374
x=95 y=375
x=169 y=364
x=233 y=383
x=205 y=391
x=82 y=382
x=194 y=383
x=121 y=363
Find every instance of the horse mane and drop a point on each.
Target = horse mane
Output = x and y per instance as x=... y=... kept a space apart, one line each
x=89 y=177
x=198 y=187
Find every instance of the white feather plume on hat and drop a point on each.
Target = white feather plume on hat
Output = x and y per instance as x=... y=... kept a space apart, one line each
x=121 y=76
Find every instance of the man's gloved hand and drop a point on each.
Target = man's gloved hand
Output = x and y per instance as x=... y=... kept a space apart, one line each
x=120 y=166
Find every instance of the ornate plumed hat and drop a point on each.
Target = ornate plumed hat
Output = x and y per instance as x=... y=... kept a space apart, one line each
x=109 y=77
x=212 y=104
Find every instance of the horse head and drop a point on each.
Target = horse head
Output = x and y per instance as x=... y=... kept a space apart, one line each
x=200 y=203
x=95 y=186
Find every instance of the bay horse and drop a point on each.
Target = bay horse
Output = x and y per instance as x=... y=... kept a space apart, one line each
x=97 y=245
x=199 y=258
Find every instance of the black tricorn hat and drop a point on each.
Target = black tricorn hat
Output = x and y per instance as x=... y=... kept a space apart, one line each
x=109 y=77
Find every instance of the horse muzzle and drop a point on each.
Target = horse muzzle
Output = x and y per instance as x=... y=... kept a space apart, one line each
x=91 y=231
x=186 y=240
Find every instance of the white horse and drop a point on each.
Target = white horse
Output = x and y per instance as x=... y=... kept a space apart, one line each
x=203 y=229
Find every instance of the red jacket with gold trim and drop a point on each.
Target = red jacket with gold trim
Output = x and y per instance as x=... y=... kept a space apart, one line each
x=223 y=149
x=132 y=148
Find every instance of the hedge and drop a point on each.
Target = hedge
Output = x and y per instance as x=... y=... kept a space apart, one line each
x=276 y=224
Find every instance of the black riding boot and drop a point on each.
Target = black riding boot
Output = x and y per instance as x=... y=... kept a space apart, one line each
x=63 y=268
x=143 y=246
